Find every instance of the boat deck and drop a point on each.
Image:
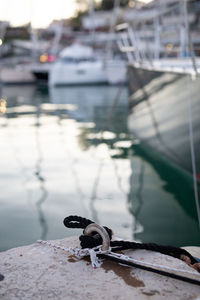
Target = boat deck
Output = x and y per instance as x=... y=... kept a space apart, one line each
x=174 y=65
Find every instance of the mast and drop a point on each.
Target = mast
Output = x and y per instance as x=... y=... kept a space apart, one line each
x=92 y=28
x=113 y=22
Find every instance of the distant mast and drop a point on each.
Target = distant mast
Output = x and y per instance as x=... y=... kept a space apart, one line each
x=113 y=22
x=92 y=26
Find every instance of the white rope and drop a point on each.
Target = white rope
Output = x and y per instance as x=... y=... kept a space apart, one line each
x=80 y=253
x=96 y=263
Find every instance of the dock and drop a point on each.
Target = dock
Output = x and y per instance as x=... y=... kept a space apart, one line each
x=38 y=271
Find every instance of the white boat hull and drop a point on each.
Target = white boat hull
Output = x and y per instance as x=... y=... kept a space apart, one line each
x=17 y=75
x=79 y=73
x=116 y=71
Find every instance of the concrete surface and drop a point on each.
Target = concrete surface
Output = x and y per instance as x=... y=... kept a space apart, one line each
x=41 y=272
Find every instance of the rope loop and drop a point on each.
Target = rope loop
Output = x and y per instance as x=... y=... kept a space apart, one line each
x=76 y=222
x=86 y=241
x=94 y=240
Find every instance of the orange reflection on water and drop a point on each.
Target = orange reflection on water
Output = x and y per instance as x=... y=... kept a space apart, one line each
x=3 y=104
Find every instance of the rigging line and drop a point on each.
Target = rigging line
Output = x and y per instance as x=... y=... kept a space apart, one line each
x=113 y=107
x=135 y=207
x=72 y=161
x=94 y=191
x=113 y=22
x=41 y=180
x=101 y=163
x=140 y=188
x=192 y=148
x=138 y=227
x=188 y=35
x=43 y=190
x=118 y=178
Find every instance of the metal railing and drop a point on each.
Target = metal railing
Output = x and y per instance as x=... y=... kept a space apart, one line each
x=163 y=33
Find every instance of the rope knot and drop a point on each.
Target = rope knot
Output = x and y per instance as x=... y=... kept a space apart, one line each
x=86 y=241
x=92 y=238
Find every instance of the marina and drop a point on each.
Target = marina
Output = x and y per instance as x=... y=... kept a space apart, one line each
x=49 y=140
x=99 y=130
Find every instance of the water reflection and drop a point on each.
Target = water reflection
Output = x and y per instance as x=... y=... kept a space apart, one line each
x=73 y=160
x=40 y=178
x=75 y=156
x=167 y=212
x=136 y=206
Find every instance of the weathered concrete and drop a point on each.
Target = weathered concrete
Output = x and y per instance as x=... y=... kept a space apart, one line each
x=40 y=272
x=195 y=251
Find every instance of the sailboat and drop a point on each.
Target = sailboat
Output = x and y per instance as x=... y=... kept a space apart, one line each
x=164 y=86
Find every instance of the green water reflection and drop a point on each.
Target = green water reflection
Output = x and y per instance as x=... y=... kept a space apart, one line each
x=68 y=151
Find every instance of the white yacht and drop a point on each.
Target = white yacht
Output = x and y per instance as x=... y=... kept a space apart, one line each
x=77 y=64
x=164 y=86
x=19 y=74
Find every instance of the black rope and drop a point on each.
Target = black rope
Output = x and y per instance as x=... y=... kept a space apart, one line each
x=76 y=222
x=96 y=240
x=167 y=250
x=85 y=240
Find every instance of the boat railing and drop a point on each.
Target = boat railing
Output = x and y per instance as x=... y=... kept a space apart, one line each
x=162 y=34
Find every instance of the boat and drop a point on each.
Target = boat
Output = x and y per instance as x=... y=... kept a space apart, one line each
x=116 y=70
x=84 y=65
x=18 y=74
x=41 y=72
x=40 y=69
x=77 y=64
x=164 y=86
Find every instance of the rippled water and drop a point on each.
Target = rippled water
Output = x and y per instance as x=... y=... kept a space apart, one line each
x=68 y=151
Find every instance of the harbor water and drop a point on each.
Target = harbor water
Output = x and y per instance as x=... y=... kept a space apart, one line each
x=67 y=151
